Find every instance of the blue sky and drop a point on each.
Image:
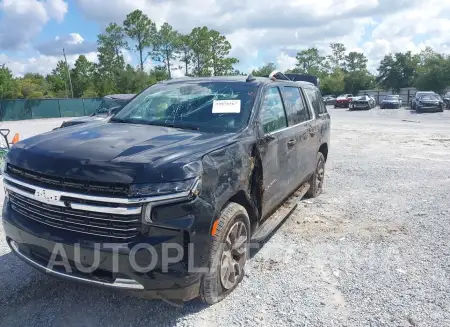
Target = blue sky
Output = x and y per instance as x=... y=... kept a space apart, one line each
x=375 y=27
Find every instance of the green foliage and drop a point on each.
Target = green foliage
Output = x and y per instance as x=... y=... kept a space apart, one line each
x=166 y=46
x=433 y=71
x=264 y=70
x=139 y=28
x=398 y=70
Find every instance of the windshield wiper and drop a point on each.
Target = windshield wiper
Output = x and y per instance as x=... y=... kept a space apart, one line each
x=182 y=126
x=119 y=120
x=154 y=123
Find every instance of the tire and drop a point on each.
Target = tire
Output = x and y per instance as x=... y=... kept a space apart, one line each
x=212 y=288
x=316 y=188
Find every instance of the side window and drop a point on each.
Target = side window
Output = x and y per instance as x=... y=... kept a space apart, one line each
x=312 y=96
x=322 y=107
x=296 y=109
x=272 y=112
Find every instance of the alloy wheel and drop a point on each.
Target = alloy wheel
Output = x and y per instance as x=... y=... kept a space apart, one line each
x=234 y=255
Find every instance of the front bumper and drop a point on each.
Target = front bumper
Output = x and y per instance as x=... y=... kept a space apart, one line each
x=360 y=105
x=428 y=108
x=37 y=244
x=342 y=104
x=390 y=105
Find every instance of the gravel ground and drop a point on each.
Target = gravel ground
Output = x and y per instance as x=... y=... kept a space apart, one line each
x=373 y=250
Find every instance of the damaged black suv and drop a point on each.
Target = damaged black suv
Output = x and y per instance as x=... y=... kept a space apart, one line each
x=165 y=198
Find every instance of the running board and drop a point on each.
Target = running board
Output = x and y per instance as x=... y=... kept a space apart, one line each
x=271 y=223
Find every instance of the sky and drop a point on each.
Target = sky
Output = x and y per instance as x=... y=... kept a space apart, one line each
x=33 y=32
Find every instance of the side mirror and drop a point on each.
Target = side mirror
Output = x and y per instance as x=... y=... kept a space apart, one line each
x=114 y=110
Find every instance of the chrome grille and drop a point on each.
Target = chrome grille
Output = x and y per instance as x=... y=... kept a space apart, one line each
x=122 y=227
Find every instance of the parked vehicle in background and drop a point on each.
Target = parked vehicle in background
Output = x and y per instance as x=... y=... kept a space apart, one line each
x=343 y=101
x=446 y=99
x=414 y=101
x=329 y=100
x=391 y=102
x=178 y=182
x=429 y=102
x=362 y=102
x=109 y=106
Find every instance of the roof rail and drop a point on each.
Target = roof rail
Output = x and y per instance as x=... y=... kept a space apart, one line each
x=276 y=74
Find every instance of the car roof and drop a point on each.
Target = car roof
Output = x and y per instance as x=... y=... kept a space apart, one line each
x=239 y=78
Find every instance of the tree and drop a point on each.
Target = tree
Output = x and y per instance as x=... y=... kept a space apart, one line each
x=398 y=70
x=355 y=61
x=110 y=45
x=311 y=62
x=337 y=58
x=166 y=46
x=58 y=80
x=265 y=70
x=357 y=77
x=433 y=71
x=220 y=49
x=200 y=45
x=110 y=58
x=142 y=30
x=9 y=88
x=333 y=83
x=82 y=75
x=185 y=52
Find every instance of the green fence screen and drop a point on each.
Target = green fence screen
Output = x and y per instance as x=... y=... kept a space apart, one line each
x=21 y=109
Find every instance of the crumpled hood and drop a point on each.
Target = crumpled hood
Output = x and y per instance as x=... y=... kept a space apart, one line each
x=116 y=152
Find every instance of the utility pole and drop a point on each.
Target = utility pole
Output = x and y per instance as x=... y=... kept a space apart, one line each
x=68 y=72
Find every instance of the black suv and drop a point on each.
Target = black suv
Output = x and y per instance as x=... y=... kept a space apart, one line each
x=167 y=196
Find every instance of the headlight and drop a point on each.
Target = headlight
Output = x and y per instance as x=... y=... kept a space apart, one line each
x=155 y=189
x=190 y=185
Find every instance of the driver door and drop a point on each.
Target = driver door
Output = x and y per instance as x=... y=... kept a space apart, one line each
x=277 y=152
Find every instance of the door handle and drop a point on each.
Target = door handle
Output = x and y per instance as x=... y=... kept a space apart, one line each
x=291 y=143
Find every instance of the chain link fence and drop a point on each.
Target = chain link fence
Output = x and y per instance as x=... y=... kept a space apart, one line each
x=20 y=109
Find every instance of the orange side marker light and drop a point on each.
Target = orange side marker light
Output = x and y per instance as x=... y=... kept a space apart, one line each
x=214 y=227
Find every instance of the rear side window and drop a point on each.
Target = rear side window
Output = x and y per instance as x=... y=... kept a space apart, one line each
x=296 y=109
x=272 y=114
x=316 y=101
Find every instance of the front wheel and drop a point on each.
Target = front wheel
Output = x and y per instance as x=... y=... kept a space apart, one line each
x=317 y=178
x=229 y=253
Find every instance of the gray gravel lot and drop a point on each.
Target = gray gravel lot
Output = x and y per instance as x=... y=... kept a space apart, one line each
x=373 y=250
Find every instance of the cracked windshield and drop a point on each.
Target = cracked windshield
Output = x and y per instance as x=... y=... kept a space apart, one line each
x=187 y=163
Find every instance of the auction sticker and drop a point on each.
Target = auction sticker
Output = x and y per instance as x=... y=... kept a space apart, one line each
x=226 y=106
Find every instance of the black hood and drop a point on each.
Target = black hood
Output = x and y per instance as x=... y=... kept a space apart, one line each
x=116 y=152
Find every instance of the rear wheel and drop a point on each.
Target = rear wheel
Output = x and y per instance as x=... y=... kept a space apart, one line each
x=317 y=178
x=229 y=252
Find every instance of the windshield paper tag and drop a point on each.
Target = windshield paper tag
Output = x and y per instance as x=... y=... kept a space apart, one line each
x=226 y=106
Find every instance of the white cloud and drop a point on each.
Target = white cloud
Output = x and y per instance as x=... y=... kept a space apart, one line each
x=72 y=44
x=40 y=64
x=22 y=20
x=266 y=31
x=285 y=62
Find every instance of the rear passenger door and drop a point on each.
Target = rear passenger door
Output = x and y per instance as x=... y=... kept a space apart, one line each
x=299 y=119
x=277 y=150
x=320 y=126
